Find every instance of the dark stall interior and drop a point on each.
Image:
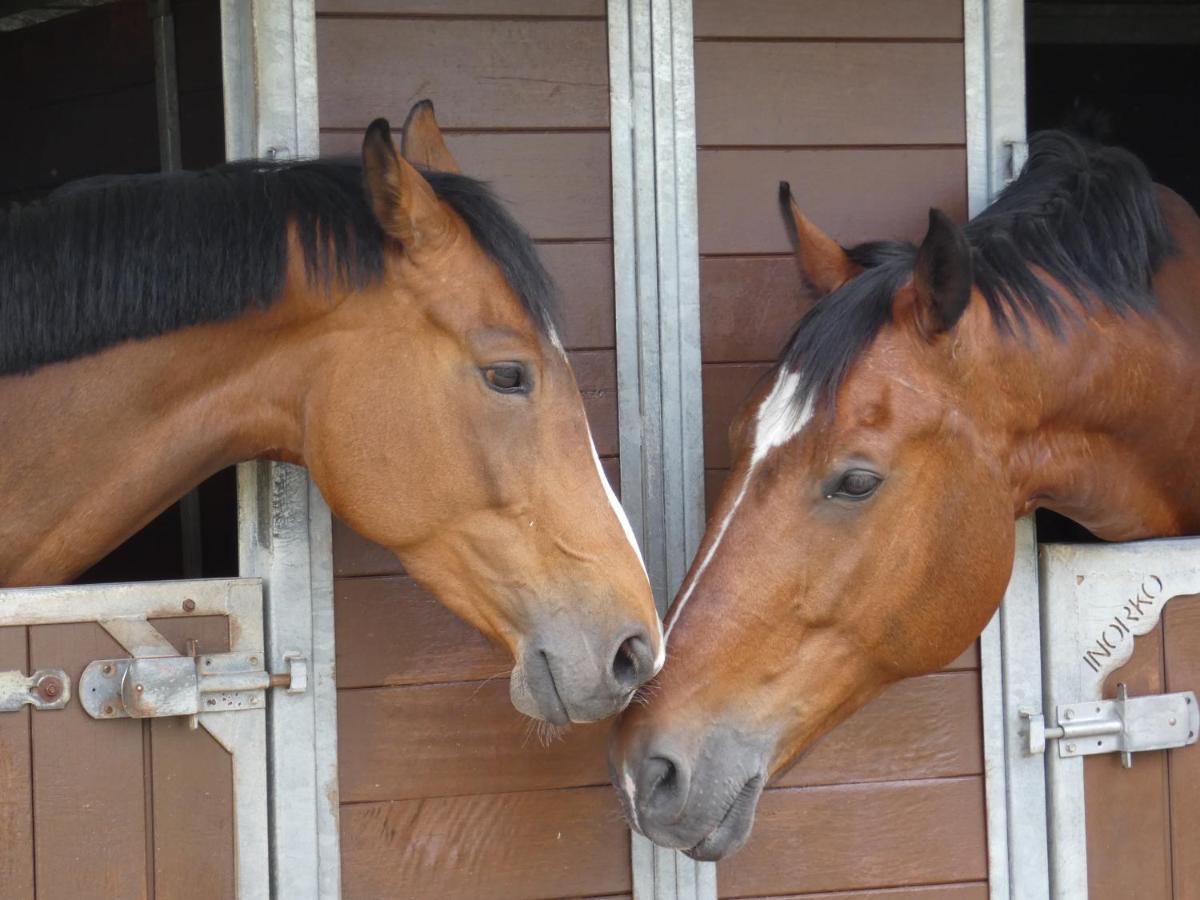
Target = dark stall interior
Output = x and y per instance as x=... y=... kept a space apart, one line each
x=1118 y=73
x=81 y=83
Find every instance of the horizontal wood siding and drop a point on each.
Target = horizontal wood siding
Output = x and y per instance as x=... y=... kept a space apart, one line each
x=859 y=105
x=447 y=791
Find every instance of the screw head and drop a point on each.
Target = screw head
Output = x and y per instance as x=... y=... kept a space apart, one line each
x=108 y=710
x=1070 y=748
x=1069 y=714
x=1172 y=721
x=107 y=669
x=189 y=605
x=49 y=688
x=139 y=688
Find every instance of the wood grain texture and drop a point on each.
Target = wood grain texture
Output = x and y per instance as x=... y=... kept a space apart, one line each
x=192 y=784
x=829 y=93
x=861 y=836
x=441 y=740
x=1128 y=810
x=925 y=727
x=16 y=781
x=555 y=8
x=493 y=74
x=539 y=844
x=975 y=890
x=822 y=19
x=854 y=195
x=557 y=185
x=89 y=782
x=748 y=307
x=391 y=631
x=1181 y=624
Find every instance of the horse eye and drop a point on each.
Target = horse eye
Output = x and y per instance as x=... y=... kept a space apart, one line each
x=506 y=378
x=857 y=484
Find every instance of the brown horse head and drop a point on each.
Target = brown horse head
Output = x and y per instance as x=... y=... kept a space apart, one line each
x=385 y=325
x=865 y=533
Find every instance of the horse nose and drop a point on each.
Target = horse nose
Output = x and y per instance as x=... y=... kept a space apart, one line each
x=633 y=663
x=662 y=780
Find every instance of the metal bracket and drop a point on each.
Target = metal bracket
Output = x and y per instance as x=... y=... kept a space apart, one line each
x=1123 y=725
x=160 y=687
x=44 y=689
x=1017 y=154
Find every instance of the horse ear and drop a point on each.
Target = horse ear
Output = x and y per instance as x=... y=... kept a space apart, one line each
x=942 y=277
x=823 y=262
x=402 y=200
x=422 y=143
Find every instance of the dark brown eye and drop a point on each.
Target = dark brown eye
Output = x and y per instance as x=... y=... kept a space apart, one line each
x=506 y=378
x=857 y=484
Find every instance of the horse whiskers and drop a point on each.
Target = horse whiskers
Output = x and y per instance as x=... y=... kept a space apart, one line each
x=485 y=681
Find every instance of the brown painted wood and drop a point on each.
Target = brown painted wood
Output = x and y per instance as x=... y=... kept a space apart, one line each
x=852 y=194
x=192 y=782
x=570 y=843
x=842 y=93
x=16 y=781
x=924 y=727
x=557 y=185
x=551 y=8
x=748 y=307
x=436 y=740
x=1181 y=640
x=390 y=631
x=498 y=74
x=975 y=890
x=584 y=276
x=822 y=19
x=89 y=782
x=861 y=836
x=725 y=388
x=1128 y=810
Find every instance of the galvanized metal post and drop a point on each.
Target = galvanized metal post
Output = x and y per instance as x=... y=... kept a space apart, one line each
x=656 y=267
x=269 y=68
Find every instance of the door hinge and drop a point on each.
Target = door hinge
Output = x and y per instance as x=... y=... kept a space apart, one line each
x=44 y=689
x=1124 y=725
x=160 y=687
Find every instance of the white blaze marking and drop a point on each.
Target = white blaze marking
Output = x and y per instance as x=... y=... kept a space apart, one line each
x=777 y=423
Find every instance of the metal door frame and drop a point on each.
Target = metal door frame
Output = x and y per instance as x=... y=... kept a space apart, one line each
x=268 y=50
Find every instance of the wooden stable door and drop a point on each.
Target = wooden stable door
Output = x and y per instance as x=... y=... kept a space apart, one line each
x=1143 y=823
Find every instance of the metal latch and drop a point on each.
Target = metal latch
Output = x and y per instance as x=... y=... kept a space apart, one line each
x=44 y=689
x=1123 y=725
x=159 y=687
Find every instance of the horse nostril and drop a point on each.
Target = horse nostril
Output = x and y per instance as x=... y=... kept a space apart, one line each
x=632 y=663
x=663 y=788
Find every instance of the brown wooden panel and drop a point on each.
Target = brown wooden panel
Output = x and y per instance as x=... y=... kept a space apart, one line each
x=822 y=19
x=391 y=631
x=1128 y=813
x=1181 y=640
x=555 y=8
x=861 y=836
x=726 y=389
x=854 y=195
x=924 y=727
x=975 y=890
x=533 y=844
x=192 y=779
x=89 y=807
x=557 y=185
x=748 y=307
x=398 y=743
x=494 y=74
x=584 y=275
x=596 y=374
x=16 y=781
x=816 y=94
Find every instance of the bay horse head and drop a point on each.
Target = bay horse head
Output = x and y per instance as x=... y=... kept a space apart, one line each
x=385 y=324
x=932 y=394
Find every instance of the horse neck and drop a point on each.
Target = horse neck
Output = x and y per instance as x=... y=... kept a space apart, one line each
x=96 y=447
x=1101 y=424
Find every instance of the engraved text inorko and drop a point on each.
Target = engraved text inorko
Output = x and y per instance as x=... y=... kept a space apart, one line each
x=1119 y=628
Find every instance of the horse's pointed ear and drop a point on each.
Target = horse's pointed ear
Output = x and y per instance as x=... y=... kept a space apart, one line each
x=823 y=262
x=942 y=277
x=402 y=200
x=422 y=144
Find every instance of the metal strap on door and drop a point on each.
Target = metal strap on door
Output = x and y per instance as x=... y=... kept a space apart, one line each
x=224 y=693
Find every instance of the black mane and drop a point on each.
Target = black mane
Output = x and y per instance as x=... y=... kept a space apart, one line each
x=106 y=260
x=1087 y=216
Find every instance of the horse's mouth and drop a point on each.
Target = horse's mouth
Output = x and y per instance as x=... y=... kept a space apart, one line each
x=734 y=828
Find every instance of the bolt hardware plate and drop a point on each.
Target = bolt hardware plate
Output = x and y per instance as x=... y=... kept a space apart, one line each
x=45 y=689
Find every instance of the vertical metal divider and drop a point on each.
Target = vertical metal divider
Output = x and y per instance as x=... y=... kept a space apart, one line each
x=656 y=279
x=1010 y=647
x=284 y=528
